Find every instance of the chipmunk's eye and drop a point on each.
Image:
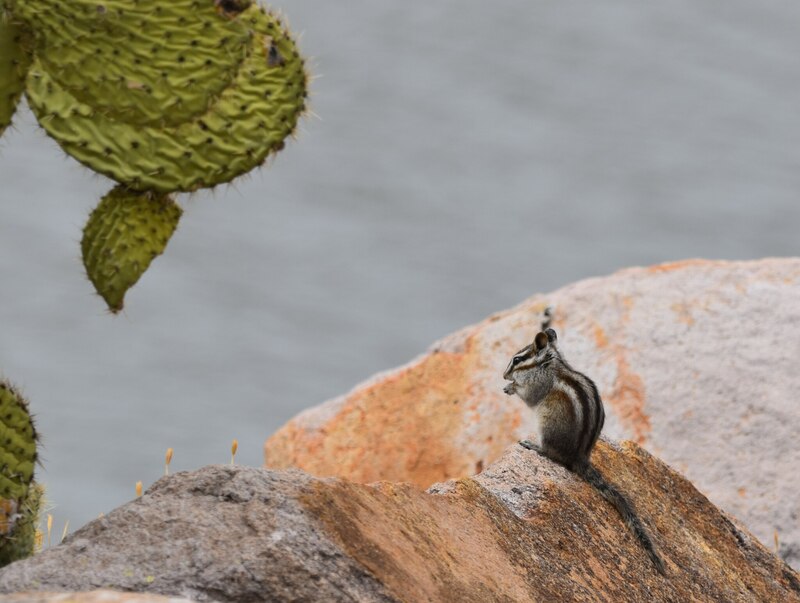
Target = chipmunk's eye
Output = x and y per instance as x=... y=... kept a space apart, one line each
x=516 y=360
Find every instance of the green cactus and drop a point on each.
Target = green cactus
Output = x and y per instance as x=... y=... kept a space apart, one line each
x=15 y=58
x=160 y=96
x=233 y=133
x=175 y=57
x=126 y=232
x=19 y=496
x=21 y=542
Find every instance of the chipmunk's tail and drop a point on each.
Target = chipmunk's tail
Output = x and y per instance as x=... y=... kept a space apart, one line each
x=625 y=509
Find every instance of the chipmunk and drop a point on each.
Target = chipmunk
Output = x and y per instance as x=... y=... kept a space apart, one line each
x=571 y=416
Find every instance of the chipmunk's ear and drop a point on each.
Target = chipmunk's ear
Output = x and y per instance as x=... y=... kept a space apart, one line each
x=551 y=335
x=540 y=341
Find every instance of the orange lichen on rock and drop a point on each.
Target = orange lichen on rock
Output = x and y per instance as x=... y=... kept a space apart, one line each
x=405 y=426
x=628 y=399
x=683 y=312
x=600 y=338
x=680 y=265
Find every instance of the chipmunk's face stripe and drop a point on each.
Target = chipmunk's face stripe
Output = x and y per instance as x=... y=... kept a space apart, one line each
x=524 y=363
x=520 y=360
x=529 y=357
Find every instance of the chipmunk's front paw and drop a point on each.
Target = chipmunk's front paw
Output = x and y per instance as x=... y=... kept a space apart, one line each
x=510 y=389
x=529 y=445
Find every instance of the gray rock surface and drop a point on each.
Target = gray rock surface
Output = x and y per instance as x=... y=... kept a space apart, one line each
x=96 y=596
x=222 y=533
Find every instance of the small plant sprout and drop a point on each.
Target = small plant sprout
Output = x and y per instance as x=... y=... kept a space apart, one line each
x=38 y=539
x=64 y=533
x=234 y=448
x=49 y=529
x=167 y=460
x=777 y=543
x=138 y=488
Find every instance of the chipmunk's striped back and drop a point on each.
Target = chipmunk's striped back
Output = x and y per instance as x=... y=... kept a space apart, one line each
x=586 y=405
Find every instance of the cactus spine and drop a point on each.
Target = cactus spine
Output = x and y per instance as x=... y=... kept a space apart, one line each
x=19 y=496
x=160 y=96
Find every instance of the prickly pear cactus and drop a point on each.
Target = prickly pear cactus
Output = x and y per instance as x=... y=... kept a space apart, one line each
x=126 y=232
x=15 y=59
x=169 y=113
x=176 y=59
x=160 y=96
x=19 y=496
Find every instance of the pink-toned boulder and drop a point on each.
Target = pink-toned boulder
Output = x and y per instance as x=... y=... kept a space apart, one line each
x=698 y=361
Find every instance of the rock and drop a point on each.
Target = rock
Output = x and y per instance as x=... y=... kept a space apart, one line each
x=96 y=596
x=524 y=530
x=696 y=360
x=222 y=533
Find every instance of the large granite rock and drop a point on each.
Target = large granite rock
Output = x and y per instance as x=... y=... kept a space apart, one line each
x=697 y=361
x=524 y=530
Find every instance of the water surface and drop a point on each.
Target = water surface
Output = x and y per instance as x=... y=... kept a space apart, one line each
x=466 y=155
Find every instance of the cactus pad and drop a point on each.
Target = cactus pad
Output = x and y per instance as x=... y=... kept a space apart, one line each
x=145 y=62
x=14 y=61
x=18 y=521
x=17 y=444
x=19 y=496
x=253 y=114
x=125 y=232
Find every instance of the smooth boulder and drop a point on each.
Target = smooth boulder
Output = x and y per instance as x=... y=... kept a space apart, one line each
x=697 y=361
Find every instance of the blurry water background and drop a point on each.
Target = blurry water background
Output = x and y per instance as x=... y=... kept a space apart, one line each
x=467 y=155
